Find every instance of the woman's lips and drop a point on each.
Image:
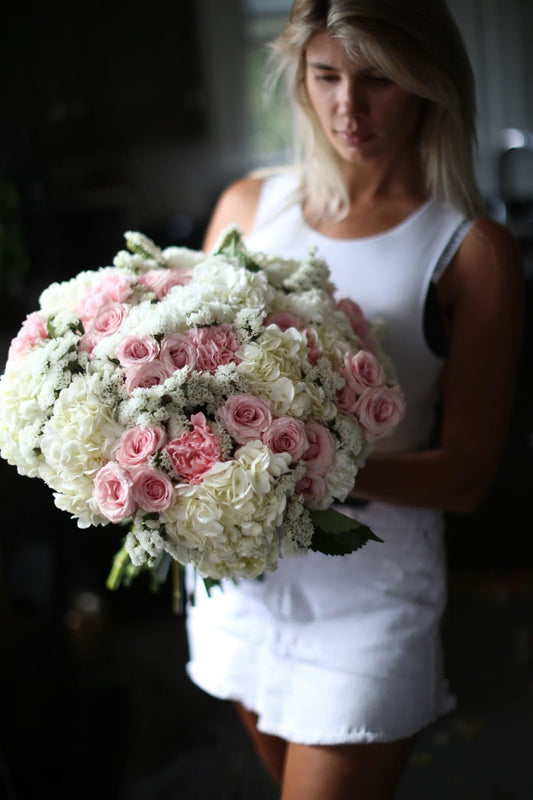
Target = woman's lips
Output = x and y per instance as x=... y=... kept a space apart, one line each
x=354 y=137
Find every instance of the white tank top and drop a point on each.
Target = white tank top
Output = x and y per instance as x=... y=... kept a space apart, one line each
x=388 y=275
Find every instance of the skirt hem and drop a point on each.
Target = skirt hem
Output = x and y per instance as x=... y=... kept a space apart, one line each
x=348 y=736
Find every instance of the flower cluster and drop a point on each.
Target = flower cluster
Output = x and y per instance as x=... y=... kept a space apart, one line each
x=215 y=401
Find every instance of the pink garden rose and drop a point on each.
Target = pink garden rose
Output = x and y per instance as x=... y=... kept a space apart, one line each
x=139 y=443
x=113 y=492
x=379 y=410
x=178 y=350
x=286 y=435
x=144 y=376
x=312 y=488
x=356 y=318
x=245 y=417
x=313 y=346
x=215 y=346
x=194 y=452
x=161 y=281
x=320 y=455
x=152 y=490
x=112 y=289
x=109 y=318
x=33 y=330
x=363 y=369
x=284 y=320
x=106 y=321
x=137 y=349
x=346 y=398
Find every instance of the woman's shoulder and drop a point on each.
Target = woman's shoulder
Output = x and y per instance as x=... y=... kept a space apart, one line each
x=489 y=246
x=237 y=205
x=240 y=201
x=488 y=263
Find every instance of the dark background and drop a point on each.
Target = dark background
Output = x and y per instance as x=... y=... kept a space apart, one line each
x=94 y=697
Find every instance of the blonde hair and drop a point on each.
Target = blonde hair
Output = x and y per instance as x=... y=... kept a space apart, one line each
x=417 y=44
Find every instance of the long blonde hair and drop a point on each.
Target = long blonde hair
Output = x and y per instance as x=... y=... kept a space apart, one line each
x=417 y=44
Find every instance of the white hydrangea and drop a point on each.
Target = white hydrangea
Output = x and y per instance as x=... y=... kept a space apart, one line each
x=77 y=440
x=340 y=480
x=182 y=258
x=275 y=354
x=228 y=523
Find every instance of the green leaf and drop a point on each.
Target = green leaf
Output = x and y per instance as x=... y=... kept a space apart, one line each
x=50 y=328
x=337 y=535
x=233 y=247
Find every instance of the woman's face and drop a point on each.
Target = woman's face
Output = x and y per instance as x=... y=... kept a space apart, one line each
x=364 y=115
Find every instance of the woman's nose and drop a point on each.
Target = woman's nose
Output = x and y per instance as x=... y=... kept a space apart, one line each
x=353 y=99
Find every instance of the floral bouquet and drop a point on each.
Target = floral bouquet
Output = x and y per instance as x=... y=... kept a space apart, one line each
x=217 y=404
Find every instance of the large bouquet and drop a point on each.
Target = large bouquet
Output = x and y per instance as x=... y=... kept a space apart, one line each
x=219 y=404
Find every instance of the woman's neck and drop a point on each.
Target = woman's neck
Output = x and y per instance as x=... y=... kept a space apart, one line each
x=372 y=183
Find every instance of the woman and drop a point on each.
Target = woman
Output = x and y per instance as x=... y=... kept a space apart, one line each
x=335 y=662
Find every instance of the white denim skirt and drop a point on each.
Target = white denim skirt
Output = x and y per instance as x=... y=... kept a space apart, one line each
x=333 y=649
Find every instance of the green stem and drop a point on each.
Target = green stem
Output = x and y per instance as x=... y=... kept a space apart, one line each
x=177 y=607
x=119 y=569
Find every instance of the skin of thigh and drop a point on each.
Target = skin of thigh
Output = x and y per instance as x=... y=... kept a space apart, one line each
x=270 y=749
x=345 y=772
x=342 y=772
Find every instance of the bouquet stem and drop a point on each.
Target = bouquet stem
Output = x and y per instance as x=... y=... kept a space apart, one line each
x=177 y=593
x=122 y=570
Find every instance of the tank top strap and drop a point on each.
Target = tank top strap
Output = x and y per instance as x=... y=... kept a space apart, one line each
x=450 y=249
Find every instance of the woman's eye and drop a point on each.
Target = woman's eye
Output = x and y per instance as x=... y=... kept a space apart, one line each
x=327 y=78
x=379 y=79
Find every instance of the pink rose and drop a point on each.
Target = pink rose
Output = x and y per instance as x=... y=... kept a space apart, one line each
x=139 y=443
x=137 y=349
x=286 y=435
x=320 y=454
x=113 y=289
x=284 y=320
x=113 y=492
x=108 y=319
x=161 y=281
x=178 y=350
x=379 y=410
x=312 y=488
x=88 y=342
x=194 y=452
x=144 y=376
x=33 y=330
x=245 y=416
x=313 y=346
x=346 y=398
x=364 y=370
x=152 y=490
x=356 y=318
x=215 y=346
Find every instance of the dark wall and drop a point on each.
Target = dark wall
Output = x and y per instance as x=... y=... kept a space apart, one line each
x=84 y=88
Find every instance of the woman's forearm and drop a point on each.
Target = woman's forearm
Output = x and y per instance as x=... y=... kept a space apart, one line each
x=437 y=478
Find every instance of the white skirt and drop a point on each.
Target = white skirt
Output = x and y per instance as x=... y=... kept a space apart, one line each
x=333 y=649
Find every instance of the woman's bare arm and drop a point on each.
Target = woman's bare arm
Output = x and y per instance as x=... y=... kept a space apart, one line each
x=482 y=295
x=237 y=205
